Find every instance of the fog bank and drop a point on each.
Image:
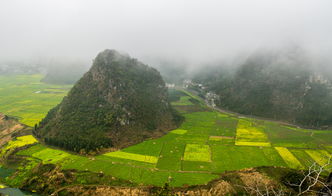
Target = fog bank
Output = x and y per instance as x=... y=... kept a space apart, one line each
x=191 y=31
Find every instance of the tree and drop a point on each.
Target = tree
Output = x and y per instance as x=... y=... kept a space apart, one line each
x=308 y=182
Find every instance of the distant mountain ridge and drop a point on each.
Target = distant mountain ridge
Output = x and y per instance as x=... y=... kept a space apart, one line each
x=282 y=86
x=117 y=103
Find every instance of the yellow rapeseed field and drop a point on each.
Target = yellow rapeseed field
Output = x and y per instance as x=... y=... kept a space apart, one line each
x=19 y=142
x=132 y=156
x=289 y=158
x=319 y=156
x=179 y=131
x=249 y=135
x=264 y=144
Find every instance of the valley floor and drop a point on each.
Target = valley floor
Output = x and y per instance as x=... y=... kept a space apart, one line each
x=206 y=145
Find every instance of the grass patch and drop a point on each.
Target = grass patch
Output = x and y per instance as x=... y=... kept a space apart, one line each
x=171 y=155
x=51 y=156
x=230 y=157
x=329 y=148
x=196 y=152
x=31 y=150
x=196 y=166
x=284 y=136
x=224 y=126
x=193 y=138
x=148 y=147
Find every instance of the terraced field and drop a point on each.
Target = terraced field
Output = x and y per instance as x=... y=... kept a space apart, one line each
x=207 y=144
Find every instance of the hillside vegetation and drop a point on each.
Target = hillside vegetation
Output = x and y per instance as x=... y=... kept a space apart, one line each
x=282 y=86
x=117 y=103
x=203 y=148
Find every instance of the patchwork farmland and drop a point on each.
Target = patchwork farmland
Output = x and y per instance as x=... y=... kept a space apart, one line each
x=28 y=99
x=207 y=144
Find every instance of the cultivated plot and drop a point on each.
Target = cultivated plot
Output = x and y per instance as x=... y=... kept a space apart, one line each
x=18 y=142
x=302 y=156
x=25 y=97
x=284 y=136
x=196 y=152
x=224 y=126
x=171 y=156
x=230 y=157
x=249 y=133
x=289 y=158
x=132 y=156
x=49 y=155
x=322 y=157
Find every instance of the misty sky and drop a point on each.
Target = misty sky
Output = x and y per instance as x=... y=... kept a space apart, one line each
x=171 y=28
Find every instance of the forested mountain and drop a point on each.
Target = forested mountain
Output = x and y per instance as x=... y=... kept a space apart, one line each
x=278 y=85
x=117 y=103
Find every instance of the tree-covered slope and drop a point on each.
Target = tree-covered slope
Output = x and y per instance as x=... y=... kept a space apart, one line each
x=118 y=102
x=277 y=85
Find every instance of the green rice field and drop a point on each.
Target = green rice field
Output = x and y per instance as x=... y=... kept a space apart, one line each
x=207 y=144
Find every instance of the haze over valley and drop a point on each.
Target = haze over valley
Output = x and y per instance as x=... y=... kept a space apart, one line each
x=165 y=98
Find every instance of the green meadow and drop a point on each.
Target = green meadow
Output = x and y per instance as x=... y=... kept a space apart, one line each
x=205 y=145
x=28 y=99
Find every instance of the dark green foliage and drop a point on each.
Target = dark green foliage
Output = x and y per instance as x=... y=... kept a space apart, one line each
x=118 y=102
x=278 y=86
x=317 y=106
x=175 y=95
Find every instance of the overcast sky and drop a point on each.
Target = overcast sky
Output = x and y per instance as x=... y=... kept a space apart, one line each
x=193 y=29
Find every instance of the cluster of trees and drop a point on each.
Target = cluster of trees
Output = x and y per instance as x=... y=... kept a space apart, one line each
x=80 y=143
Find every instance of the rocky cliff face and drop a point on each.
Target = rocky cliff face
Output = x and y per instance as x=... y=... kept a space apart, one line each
x=117 y=103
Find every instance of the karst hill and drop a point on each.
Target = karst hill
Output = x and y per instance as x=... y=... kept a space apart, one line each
x=117 y=103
